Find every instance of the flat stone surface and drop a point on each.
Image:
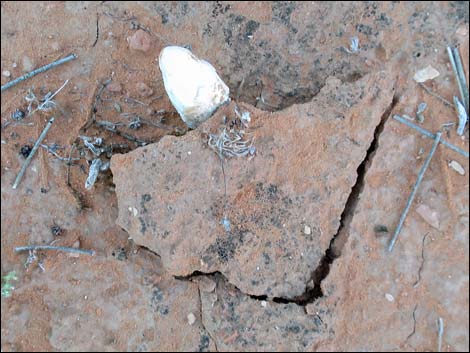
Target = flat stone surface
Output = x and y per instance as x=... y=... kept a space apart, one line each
x=238 y=323
x=171 y=194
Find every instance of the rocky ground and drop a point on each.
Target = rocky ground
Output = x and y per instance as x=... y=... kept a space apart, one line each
x=303 y=264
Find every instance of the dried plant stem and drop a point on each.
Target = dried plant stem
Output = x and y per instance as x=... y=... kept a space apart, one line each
x=97 y=97
x=225 y=186
x=440 y=333
x=55 y=154
x=33 y=151
x=456 y=62
x=49 y=99
x=442 y=99
x=112 y=128
x=50 y=247
x=430 y=134
x=414 y=191
x=38 y=71
x=69 y=164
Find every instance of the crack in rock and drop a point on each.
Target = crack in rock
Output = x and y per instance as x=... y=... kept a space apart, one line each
x=340 y=238
x=202 y=321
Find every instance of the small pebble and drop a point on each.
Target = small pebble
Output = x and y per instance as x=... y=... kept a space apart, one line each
x=429 y=215
x=264 y=304
x=311 y=309
x=114 y=88
x=206 y=284
x=140 y=40
x=457 y=167
x=6 y=73
x=55 y=46
x=144 y=90
x=191 y=318
x=462 y=31
x=75 y=245
x=307 y=230
x=428 y=73
x=27 y=64
x=14 y=65
x=389 y=297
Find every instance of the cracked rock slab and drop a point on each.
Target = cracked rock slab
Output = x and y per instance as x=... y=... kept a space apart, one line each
x=238 y=323
x=171 y=193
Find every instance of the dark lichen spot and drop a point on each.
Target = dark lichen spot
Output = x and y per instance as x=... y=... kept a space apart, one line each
x=164 y=310
x=251 y=27
x=294 y=328
x=144 y=199
x=317 y=321
x=143 y=226
x=219 y=8
x=156 y=302
x=224 y=248
x=228 y=36
x=207 y=30
x=120 y=254
x=282 y=11
x=164 y=18
x=380 y=230
x=461 y=9
x=266 y=258
x=157 y=295
x=272 y=192
x=204 y=343
x=365 y=29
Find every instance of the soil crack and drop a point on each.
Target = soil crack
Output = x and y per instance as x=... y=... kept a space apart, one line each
x=202 y=321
